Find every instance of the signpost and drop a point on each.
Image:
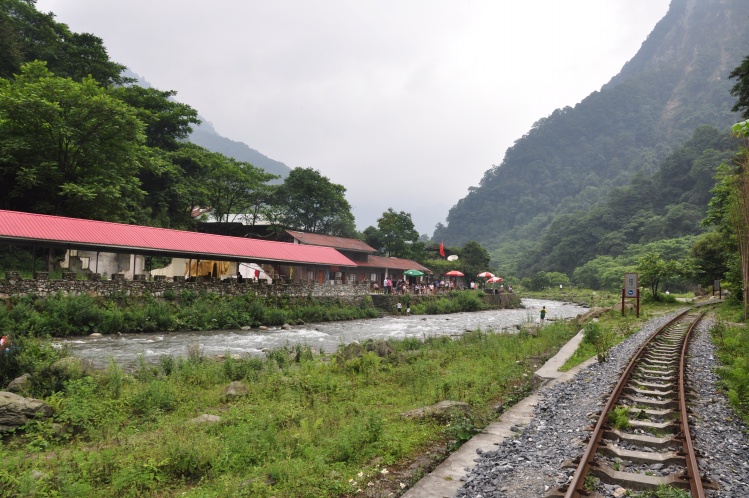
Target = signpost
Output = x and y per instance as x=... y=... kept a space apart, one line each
x=631 y=291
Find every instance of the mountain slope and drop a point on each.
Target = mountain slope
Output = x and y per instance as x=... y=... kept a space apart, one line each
x=205 y=136
x=571 y=159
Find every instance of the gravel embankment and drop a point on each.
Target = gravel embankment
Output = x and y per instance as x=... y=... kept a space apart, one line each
x=530 y=464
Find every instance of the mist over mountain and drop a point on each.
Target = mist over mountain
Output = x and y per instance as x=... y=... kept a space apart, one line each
x=206 y=136
x=574 y=159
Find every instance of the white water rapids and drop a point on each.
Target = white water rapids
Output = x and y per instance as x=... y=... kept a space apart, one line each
x=125 y=349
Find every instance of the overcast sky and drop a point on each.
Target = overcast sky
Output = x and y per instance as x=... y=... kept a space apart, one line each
x=406 y=103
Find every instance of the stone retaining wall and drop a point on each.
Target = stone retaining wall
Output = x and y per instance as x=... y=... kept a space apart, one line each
x=13 y=285
x=387 y=302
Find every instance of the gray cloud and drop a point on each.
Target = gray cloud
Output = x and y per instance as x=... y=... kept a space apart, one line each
x=406 y=103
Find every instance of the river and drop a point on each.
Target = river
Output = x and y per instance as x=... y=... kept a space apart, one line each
x=124 y=349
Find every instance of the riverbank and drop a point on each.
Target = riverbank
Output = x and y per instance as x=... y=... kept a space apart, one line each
x=127 y=350
x=307 y=425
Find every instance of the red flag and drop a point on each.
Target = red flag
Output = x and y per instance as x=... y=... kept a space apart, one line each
x=442 y=249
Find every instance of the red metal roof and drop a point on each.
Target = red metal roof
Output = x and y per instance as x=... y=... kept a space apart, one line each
x=118 y=237
x=344 y=243
x=392 y=263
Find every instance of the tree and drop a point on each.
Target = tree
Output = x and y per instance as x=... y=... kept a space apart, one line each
x=68 y=148
x=654 y=270
x=398 y=233
x=236 y=189
x=310 y=202
x=740 y=90
x=373 y=237
x=27 y=35
x=167 y=122
x=474 y=259
x=729 y=211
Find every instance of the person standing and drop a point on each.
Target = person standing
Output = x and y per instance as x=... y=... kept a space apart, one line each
x=543 y=314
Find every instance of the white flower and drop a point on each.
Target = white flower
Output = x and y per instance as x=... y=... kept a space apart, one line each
x=403 y=485
x=384 y=471
x=360 y=474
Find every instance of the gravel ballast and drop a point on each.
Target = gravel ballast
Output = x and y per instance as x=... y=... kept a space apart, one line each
x=531 y=464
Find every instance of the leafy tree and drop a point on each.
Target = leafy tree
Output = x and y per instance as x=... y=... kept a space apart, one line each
x=539 y=281
x=729 y=212
x=373 y=237
x=68 y=148
x=167 y=122
x=236 y=188
x=714 y=253
x=556 y=279
x=740 y=89
x=310 y=202
x=398 y=233
x=27 y=35
x=474 y=259
x=654 y=270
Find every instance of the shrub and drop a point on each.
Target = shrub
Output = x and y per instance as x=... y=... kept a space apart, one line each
x=600 y=338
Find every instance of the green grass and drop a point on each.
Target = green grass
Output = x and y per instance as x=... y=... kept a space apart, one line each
x=732 y=342
x=310 y=426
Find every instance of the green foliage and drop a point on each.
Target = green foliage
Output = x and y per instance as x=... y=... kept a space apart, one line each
x=310 y=202
x=733 y=351
x=61 y=315
x=304 y=429
x=601 y=338
x=396 y=234
x=28 y=355
x=664 y=491
x=80 y=148
x=619 y=417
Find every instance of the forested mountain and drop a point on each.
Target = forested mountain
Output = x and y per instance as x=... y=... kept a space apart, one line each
x=206 y=136
x=606 y=155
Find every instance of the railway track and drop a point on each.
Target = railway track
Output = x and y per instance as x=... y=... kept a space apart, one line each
x=641 y=440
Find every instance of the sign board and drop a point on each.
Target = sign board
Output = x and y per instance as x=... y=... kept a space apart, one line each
x=630 y=284
x=716 y=285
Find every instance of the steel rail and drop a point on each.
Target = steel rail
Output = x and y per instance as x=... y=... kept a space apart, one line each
x=574 y=490
x=693 y=470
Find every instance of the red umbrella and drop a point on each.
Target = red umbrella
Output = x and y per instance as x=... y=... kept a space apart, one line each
x=453 y=273
x=495 y=279
x=486 y=274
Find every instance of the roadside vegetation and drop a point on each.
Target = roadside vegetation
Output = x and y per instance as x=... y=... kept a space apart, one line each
x=63 y=315
x=310 y=425
x=731 y=338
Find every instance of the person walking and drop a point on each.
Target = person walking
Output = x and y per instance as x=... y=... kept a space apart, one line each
x=543 y=314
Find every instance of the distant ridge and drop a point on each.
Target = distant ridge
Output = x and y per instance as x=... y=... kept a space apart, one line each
x=205 y=136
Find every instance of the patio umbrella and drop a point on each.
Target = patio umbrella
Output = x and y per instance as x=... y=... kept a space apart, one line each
x=495 y=279
x=453 y=273
x=413 y=273
x=486 y=274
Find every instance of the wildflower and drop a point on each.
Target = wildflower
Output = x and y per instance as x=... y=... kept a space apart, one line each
x=370 y=484
x=360 y=474
x=384 y=471
x=403 y=485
